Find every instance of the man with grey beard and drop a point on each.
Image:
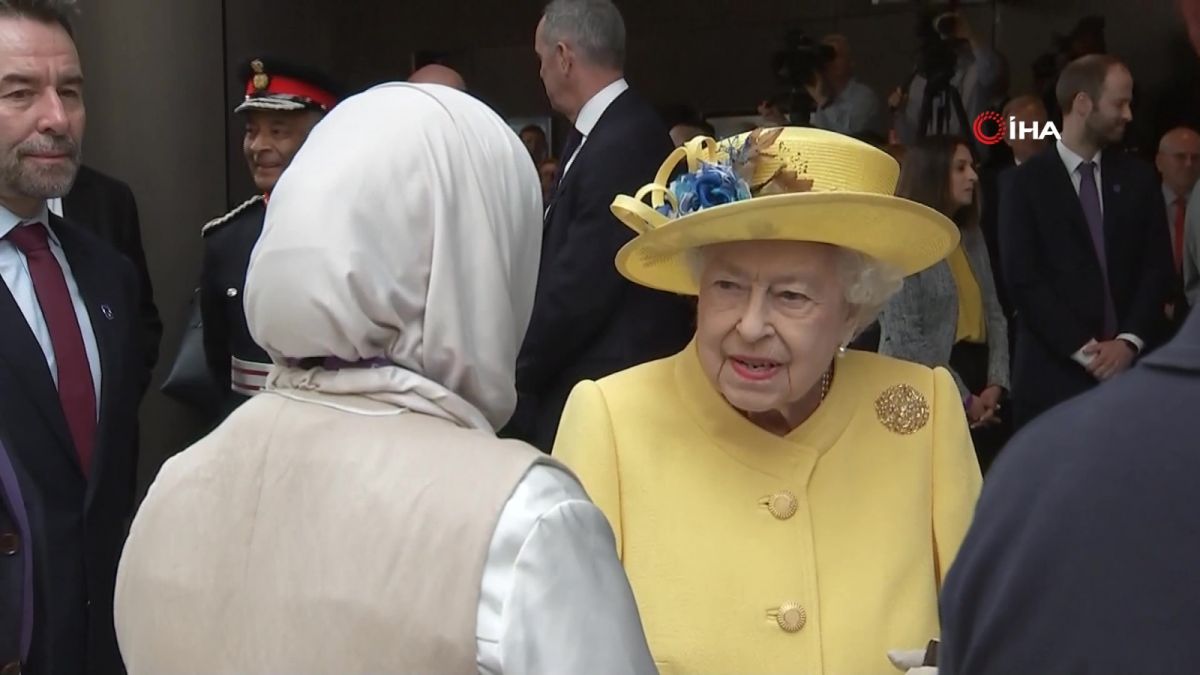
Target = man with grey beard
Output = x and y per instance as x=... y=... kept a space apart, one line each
x=71 y=368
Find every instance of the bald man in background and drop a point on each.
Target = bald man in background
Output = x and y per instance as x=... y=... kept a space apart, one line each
x=435 y=73
x=1178 y=162
x=1028 y=110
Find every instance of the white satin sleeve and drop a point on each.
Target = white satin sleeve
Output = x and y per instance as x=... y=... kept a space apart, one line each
x=554 y=598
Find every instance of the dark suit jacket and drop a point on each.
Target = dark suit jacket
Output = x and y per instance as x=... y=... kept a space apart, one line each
x=83 y=521
x=16 y=560
x=1082 y=556
x=588 y=321
x=1054 y=278
x=227 y=249
x=106 y=206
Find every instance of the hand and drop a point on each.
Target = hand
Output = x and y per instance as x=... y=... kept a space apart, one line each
x=1110 y=358
x=772 y=115
x=988 y=419
x=989 y=400
x=896 y=99
x=991 y=397
x=817 y=92
x=977 y=412
x=911 y=661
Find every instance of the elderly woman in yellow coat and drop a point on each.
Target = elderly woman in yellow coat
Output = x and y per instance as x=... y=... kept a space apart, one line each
x=780 y=504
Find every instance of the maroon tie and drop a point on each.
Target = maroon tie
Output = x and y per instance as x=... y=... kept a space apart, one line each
x=76 y=391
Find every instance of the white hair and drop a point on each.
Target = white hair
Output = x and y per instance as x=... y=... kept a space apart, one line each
x=594 y=27
x=867 y=283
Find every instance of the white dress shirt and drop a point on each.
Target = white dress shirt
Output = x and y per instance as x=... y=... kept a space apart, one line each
x=1072 y=160
x=15 y=271
x=591 y=112
x=854 y=110
x=554 y=598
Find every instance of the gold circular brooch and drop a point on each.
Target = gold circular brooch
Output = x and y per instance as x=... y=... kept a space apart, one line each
x=902 y=409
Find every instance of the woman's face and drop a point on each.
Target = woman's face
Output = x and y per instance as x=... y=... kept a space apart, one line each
x=963 y=179
x=771 y=316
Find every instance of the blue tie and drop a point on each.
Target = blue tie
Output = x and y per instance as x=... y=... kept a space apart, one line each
x=1089 y=198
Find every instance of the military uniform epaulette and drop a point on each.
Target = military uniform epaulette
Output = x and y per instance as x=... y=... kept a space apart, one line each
x=217 y=222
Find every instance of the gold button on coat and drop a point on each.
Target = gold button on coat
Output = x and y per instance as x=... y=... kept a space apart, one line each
x=792 y=617
x=783 y=505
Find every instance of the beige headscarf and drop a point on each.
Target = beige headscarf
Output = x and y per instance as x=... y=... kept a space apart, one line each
x=407 y=230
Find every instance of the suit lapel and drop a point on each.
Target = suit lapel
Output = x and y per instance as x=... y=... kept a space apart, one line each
x=20 y=350
x=568 y=179
x=610 y=113
x=96 y=292
x=1113 y=200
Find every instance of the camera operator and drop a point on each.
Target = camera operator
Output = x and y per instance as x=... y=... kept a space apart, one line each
x=843 y=104
x=976 y=75
x=799 y=69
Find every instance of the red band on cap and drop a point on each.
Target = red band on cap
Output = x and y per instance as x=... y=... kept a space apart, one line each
x=288 y=86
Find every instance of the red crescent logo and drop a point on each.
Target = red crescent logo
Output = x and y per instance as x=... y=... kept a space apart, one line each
x=989 y=139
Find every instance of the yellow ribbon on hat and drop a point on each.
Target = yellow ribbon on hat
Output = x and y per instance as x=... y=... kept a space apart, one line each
x=642 y=217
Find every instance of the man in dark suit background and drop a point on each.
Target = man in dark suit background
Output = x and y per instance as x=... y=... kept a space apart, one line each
x=71 y=365
x=994 y=178
x=1084 y=254
x=588 y=321
x=107 y=207
x=16 y=569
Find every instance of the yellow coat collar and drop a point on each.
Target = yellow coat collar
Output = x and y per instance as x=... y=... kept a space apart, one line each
x=754 y=446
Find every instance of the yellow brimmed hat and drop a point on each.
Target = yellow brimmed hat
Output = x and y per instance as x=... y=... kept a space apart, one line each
x=787 y=183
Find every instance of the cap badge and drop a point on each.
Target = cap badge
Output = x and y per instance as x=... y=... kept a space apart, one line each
x=260 y=80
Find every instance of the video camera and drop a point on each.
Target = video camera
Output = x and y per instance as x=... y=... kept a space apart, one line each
x=798 y=66
x=937 y=58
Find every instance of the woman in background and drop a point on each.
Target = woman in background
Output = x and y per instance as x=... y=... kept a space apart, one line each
x=949 y=315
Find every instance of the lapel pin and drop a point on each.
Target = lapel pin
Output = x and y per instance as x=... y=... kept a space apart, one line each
x=106 y=311
x=1117 y=188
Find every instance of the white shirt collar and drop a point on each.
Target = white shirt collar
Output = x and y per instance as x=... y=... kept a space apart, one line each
x=1071 y=160
x=10 y=220
x=591 y=111
x=1170 y=196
